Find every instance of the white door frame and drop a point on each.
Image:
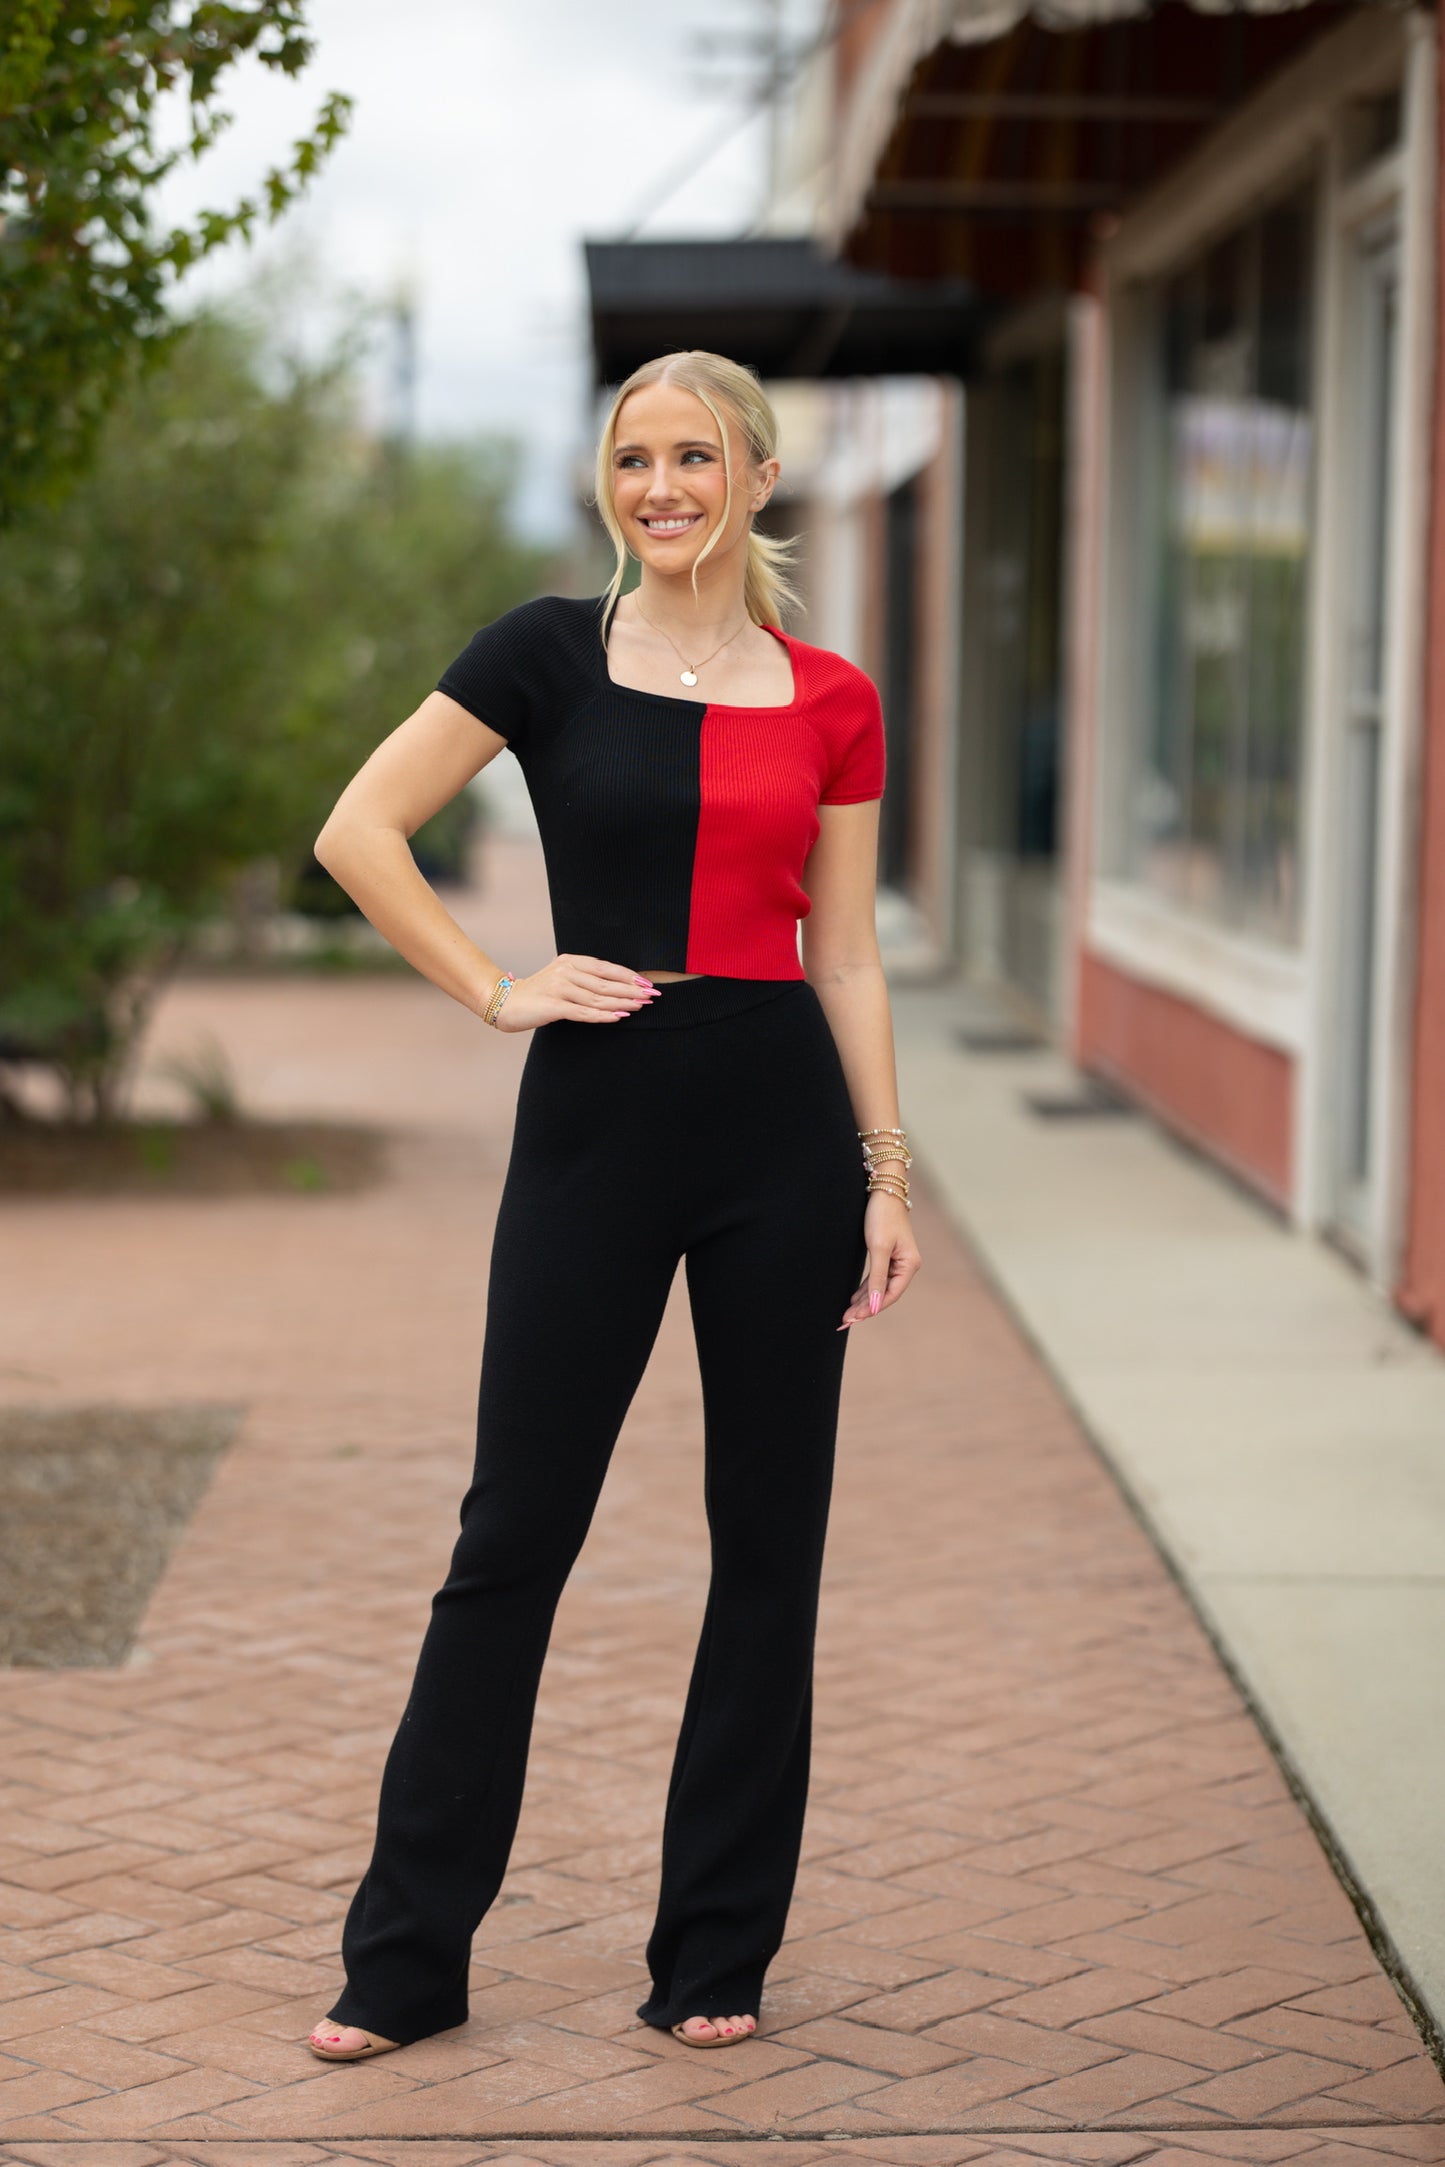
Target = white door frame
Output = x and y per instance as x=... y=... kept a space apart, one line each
x=1401 y=187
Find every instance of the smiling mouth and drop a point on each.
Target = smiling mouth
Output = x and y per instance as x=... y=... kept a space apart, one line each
x=673 y=524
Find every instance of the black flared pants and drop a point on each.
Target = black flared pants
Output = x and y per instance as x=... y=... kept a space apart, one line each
x=715 y=1127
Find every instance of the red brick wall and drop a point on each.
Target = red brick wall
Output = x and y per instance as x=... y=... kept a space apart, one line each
x=1222 y=1090
x=1421 y=1293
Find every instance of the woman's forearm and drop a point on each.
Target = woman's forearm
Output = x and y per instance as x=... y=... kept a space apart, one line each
x=376 y=868
x=854 y=999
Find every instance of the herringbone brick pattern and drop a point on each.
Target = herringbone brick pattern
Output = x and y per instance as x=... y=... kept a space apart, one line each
x=1306 y=2148
x=1057 y=1902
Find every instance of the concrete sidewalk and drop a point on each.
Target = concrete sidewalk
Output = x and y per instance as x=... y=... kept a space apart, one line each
x=1280 y=1429
x=1057 y=1903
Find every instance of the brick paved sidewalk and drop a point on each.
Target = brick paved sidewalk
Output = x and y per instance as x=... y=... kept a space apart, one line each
x=1057 y=1903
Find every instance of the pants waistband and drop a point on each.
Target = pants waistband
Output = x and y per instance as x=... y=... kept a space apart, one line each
x=705 y=999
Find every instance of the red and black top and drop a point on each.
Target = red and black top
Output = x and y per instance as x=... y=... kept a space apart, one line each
x=674 y=830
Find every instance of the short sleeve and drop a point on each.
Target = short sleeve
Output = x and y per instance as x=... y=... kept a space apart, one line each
x=860 y=759
x=493 y=675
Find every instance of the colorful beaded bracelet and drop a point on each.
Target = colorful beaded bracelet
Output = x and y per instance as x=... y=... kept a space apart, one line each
x=500 y=991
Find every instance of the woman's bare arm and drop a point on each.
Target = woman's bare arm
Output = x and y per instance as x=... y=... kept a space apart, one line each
x=842 y=963
x=365 y=846
x=841 y=956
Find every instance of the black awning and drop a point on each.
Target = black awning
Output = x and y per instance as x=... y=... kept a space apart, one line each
x=781 y=306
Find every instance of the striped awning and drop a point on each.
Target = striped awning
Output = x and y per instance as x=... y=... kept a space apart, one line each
x=914 y=29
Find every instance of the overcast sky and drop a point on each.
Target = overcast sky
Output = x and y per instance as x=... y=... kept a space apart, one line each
x=489 y=137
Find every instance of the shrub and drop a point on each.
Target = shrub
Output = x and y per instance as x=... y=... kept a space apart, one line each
x=197 y=647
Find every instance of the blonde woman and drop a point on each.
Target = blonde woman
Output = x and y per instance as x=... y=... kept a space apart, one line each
x=702 y=782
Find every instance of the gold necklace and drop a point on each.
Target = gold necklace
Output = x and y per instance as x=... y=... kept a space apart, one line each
x=689 y=669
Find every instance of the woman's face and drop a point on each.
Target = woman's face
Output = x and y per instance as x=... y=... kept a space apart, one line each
x=669 y=481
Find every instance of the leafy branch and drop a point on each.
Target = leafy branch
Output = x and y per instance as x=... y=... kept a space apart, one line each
x=83 y=270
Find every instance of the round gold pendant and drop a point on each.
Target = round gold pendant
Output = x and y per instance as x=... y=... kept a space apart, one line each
x=689 y=677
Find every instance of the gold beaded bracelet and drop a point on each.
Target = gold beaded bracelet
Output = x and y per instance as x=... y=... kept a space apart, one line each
x=880 y=1154
x=885 y=1152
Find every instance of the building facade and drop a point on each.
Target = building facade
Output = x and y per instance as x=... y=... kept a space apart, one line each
x=1148 y=584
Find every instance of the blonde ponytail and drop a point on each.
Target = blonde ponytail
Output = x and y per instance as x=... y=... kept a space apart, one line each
x=722 y=386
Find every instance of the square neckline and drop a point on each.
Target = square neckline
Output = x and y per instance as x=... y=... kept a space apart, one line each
x=726 y=707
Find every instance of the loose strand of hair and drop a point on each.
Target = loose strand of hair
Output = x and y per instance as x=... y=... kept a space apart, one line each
x=768 y=594
x=711 y=543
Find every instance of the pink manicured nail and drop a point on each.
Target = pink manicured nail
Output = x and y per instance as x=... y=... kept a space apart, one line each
x=873 y=1302
x=641 y=981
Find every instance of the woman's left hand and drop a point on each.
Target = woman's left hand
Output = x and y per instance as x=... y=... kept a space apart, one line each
x=893 y=1257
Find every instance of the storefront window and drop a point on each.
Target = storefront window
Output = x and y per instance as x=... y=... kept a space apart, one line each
x=1215 y=793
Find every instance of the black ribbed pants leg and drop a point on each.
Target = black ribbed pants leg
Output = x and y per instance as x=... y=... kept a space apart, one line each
x=715 y=1126
x=774 y=1249
x=582 y=1262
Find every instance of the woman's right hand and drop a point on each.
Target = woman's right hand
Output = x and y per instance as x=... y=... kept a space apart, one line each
x=582 y=989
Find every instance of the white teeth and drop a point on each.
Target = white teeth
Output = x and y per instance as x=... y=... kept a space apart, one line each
x=669 y=526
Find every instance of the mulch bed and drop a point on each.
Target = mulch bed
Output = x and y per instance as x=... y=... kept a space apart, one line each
x=196 y=1158
x=92 y=1500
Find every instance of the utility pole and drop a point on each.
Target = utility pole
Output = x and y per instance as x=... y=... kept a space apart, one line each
x=401 y=386
x=768 y=57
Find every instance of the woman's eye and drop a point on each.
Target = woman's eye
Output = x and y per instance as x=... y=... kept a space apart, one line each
x=696 y=455
x=630 y=459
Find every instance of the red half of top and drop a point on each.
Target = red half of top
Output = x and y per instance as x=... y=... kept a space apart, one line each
x=763 y=773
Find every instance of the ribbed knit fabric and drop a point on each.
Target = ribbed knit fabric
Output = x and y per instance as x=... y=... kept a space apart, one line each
x=674 y=831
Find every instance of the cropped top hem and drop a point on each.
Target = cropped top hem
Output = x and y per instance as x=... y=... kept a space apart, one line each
x=702 y=1000
x=675 y=831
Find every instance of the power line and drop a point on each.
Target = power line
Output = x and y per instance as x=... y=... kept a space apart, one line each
x=665 y=189
x=781 y=75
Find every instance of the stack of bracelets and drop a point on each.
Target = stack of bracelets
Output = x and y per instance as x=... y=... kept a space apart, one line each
x=880 y=1147
x=500 y=991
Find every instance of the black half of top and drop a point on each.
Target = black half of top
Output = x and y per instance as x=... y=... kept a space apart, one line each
x=613 y=774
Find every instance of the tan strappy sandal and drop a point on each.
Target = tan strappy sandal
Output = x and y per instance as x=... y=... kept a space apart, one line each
x=350 y=2054
x=719 y=2039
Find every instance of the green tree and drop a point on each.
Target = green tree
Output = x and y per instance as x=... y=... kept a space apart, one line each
x=83 y=272
x=197 y=646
